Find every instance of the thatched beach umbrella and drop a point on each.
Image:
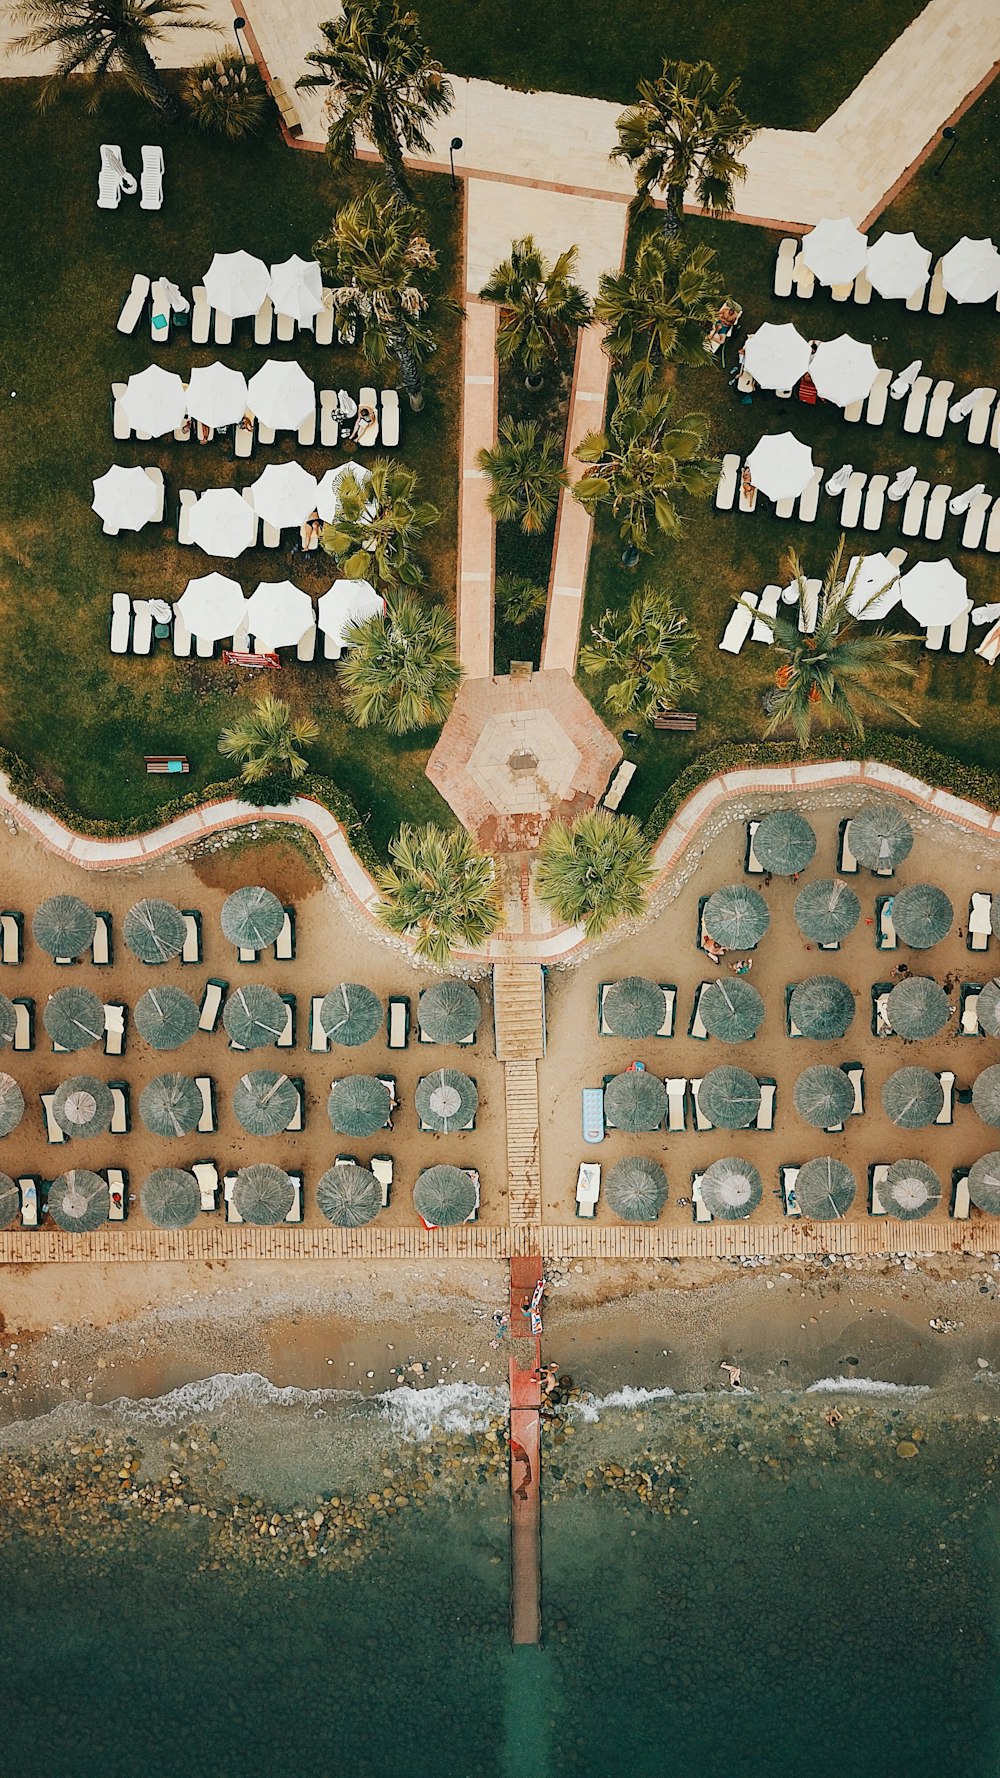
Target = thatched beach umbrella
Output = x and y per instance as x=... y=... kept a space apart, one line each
x=444 y=1196
x=823 y=1096
x=912 y=1098
x=634 y=1007
x=917 y=1007
x=636 y=1189
x=170 y=1198
x=349 y=1195
x=252 y=917
x=10 y=1201
x=911 y=1190
x=732 y=1011
x=988 y=1005
x=446 y=1100
x=166 y=1016
x=351 y=1014
x=11 y=1104
x=449 y=1012
x=635 y=1101
x=8 y=1021
x=730 y=1098
x=78 y=1201
x=986 y=1096
x=784 y=842
x=171 y=1105
x=255 y=1016
x=731 y=1188
x=880 y=836
x=64 y=926
x=74 y=1018
x=359 y=1105
x=821 y=1007
x=265 y=1102
x=922 y=915
x=825 y=1189
x=263 y=1195
x=827 y=910
x=984 y=1183
x=736 y=917
x=83 y=1106
x=154 y=931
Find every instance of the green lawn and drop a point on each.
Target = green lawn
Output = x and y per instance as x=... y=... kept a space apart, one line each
x=80 y=719
x=956 y=699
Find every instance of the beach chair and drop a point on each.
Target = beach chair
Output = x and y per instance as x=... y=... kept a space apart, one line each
x=186 y=499
x=228 y=1187
x=767 y=607
x=211 y=1004
x=180 y=638
x=398 y=1022
x=676 y=1088
x=991 y=542
x=121 y=1120
x=936 y=513
x=874 y=507
x=696 y=1028
x=978 y=428
x=937 y=409
x=222 y=328
x=701 y=1122
x=287 y=1039
x=747 y=502
x=979 y=926
x=319 y=1042
x=842 y=293
x=878 y=1172
x=885 y=931
x=381 y=1166
x=142 y=627
x=284 y=328
x=120 y=424
x=28 y=1188
x=619 y=784
x=207 y=1175
x=113 y=179
x=937 y=295
x=934 y=638
x=788 y=1176
x=856 y=1075
x=593 y=1114
x=809 y=606
x=968 y=1024
x=947 y=1113
x=916 y=404
x=284 y=944
x=322 y=325
x=768 y=1097
x=862 y=288
x=975 y=521
x=206 y=1087
x=295 y=1211
x=588 y=1188
x=784 y=265
x=791 y=1027
x=201 y=316
x=329 y=418
x=306 y=434
x=115 y=1020
x=369 y=437
x=725 y=492
x=54 y=1132
x=102 y=945
x=880 y=1016
x=135 y=302
x=263 y=323
x=878 y=398
x=191 y=948
x=805 y=280
x=151 y=197
x=751 y=863
x=850 y=505
x=961 y=1202
x=305 y=648
x=913 y=509
x=244 y=437
x=11 y=937
x=160 y=313
x=740 y=623
x=121 y=623
x=297 y=1121
x=390 y=419
x=24 y=1025
x=809 y=498
x=700 y=1211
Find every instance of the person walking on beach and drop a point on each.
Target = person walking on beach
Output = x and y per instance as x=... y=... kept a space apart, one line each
x=732 y=1372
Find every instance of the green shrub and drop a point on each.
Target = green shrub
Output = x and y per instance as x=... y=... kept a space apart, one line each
x=227 y=97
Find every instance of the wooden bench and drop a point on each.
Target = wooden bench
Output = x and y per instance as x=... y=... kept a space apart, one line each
x=286 y=106
x=166 y=762
x=675 y=719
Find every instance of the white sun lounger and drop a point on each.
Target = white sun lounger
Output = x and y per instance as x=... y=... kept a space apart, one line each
x=53 y=1131
x=142 y=627
x=113 y=178
x=369 y=437
x=381 y=1166
x=975 y=521
x=887 y=931
x=319 y=1042
x=874 y=507
x=913 y=511
x=263 y=323
x=697 y=1023
x=809 y=498
x=28 y=1188
x=937 y=411
x=856 y=1076
x=152 y=178
x=862 y=288
x=701 y=1122
x=841 y=293
x=979 y=418
x=121 y=623
x=206 y=1122
x=185 y=501
x=992 y=539
x=947 y=1113
x=937 y=295
x=201 y=316
x=699 y=1209
x=120 y=424
x=740 y=623
x=725 y=493
x=284 y=328
x=784 y=265
x=961 y=1203
x=970 y=1012
x=980 y=926
x=323 y=321
x=753 y=865
x=207 y=1175
x=805 y=281
x=878 y=397
x=879 y=1175
x=958 y=631
x=588 y=1188
x=305 y=648
x=676 y=1087
x=765 y=1115
x=767 y=606
x=916 y=405
x=329 y=418
x=211 y=1006
x=390 y=418
x=850 y=505
x=181 y=638
x=119 y=1111
x=10 y=938
x=306 y=434
x=114 y=1029
x=24 y=1037
x=747 y=502
x=936 y=513
x=134 y=304
x=156 y=477
x=789 y=1175
x=222 y=326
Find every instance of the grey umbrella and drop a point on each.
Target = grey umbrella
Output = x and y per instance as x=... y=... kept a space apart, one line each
x=823 y=1096
x=351 y=1014
x=263 y=1195
x=880 y=836
x=986 y=1096
x=731 y=1188
x=446 y=1100
x=730 y=1098
x=78 y=1201
x=166 y=1016
x=444 y=1195
x=449 y=1012
x=784 y=842
x=10 y=1201
x=736 y=917
x=984 y=1183
x=255 y=1016
x=74 y=1018
x=917 y=1007
x=8 y=1021
x=252 y=918
x=821 y=1007
x=922 y=915
x=911 y=1190
x=732 y=1011
x=988 y=1005
x=154 y=931
x=912 y=1098
x=171 y=1105
x=359 y=1105
x=635 y=1101
x=634 y=1007
x=825 y=1189
x=265 y=1102
x=64 y=926
x=83 y=1106
x=170 y=1198
x=636 y=1189
x=11 y=1104
x=827 y=910
x=349 y=1195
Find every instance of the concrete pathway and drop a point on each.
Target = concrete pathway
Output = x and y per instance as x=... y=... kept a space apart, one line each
x=476 y=530
x=574 y=526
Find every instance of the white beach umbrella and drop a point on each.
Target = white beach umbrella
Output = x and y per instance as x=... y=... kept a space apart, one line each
x=970 y=271
x=125 y=499
x=285 y=494
x=222 y=522
x=280 y=394
x=296 y=288
x=212 y=606
x=835 y=250
x=934 y=592
x=217 y=395
x=279 y=614
x=776 y=356
x=843 y=370
x=347 y=602
x=236 y=283
x=867 y=598
x=897 y=265
x=328 y=497
x=154 y=401
x=780 y=465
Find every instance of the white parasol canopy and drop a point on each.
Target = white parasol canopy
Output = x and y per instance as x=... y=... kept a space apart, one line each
x=780 y=465
x=843 y=370
x=970 y=271
x=279 y=614
x=934 y=592
x=328 y=498
x=217 y=395
x=212 y=606
x=835 y=250
x=154 y=401
x=296 y=289
x=284 y=495
x=125 y=499
x=223 y=523
x=897 y=265
x=776 y=356
x=281 y=395
x=236 y=283
x=347 y=602
x=867 y=599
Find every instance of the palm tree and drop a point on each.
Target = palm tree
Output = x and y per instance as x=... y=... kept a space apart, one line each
x=686 y=132
x=102 y=37
x=518 y=599
x=597 y=871
x=383 y=85
x=645 y=457
x=439 y=890
x=402 y=671
x=378 y=526
x=660 y=308
x=541 y=307
x=267 y=739
x=526 y=473
x=648 y=649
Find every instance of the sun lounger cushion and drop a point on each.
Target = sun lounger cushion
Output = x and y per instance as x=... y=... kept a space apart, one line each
x=121 y=623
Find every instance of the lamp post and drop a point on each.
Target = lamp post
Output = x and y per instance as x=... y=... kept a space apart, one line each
x=240 y=24
x=951 y=137
x=455 y=143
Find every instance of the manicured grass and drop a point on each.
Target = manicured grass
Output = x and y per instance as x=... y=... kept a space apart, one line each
x=80 y=718
x=956 y=699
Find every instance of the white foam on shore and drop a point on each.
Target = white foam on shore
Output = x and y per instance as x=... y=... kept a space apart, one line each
x=629 y=1398
x=864 y=1386
x=416 y=1414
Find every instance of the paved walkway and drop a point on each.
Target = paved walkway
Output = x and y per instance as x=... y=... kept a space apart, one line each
x=476 y=530
x=574 y=526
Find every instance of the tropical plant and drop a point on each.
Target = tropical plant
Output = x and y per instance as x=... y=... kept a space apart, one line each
x=439 y=890
x=645 y=457
x=226 y=97
x=267 y=740
x=383 y=85
x=659 y=308
x=526 y=473
x=647 y=650
x=541 y=306
x=686 y=133
x=596 y=872
x=102 y=37
x=402 y=671
x=378 y=526
x=519 y=599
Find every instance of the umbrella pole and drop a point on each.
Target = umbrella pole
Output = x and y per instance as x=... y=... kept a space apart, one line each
x=525 y=1456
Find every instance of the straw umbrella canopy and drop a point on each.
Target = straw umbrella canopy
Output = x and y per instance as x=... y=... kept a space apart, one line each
x=880 y=836
x=236 y=283
x=263 y=1195
x=934 y=592
x=736 y=917
x=349 y=1195
x=11 y=1104
x=986 y=1096
x=636 y=1189
x=359 y=1105
x=731 y=1188
x=78 y=1201
x=217 y=395
x=64 y=926
x=449 y=1012
x=296 y=288
x=255 y=1016
x=731 y=1011
x=635 y=1101
x=279 y=614
x=827 y=910
x=284 y=494
x=988 y=1008
x=917 y=1007
x=776 y=355
x=212 y=606
x=984 y=1183
x=222 y=523
x=823 y=1096
x=154 y=400
x=922 y=915
x=834 y=250
x=154 y=930
x=265 y=1102
x=874 y=584
x=911 y=1190
x=351 y=1014
x=897 y=265
x=170 y=1198
x=444 y=1195
x=825 y=1189
x=912 y=1098
x=843 y=370
x=252 y=917
x=784 y=842
x=166 y=1016
x=281 y=394
x=780 y=465
x=10 y=1200
x=125 y=499
x=8 y=1021
x=634 y=1007
x=74 y=1018
x=970 y=271
x=730 y=1098
x=83 y=1106
x=821 y=1007
x=446 y=1100
x=171 y=1105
